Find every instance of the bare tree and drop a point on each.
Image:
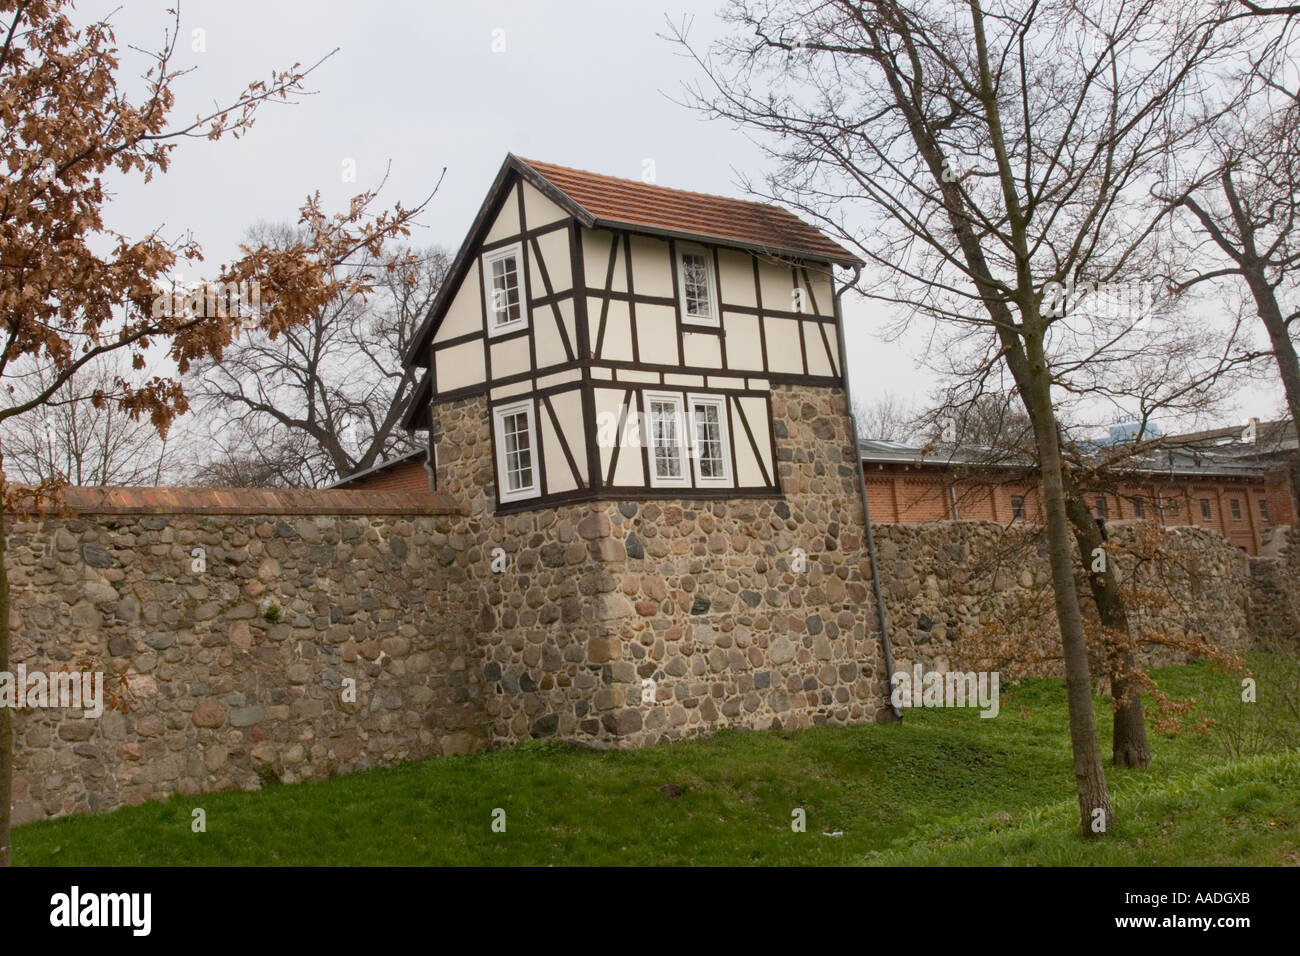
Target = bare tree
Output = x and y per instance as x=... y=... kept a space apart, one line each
x=1246 y=219
x=886 y=418
x=237 y=459
x=990 y=433
x=1000 y=156
x=318 y=402
x=78 y=436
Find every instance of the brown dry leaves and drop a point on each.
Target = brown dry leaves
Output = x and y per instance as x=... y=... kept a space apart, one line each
x=70 y=287
x=1024 y=640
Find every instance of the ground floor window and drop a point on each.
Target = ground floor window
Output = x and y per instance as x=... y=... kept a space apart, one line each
x=710 y=451
x=688 y=440
x=666 y=439
x=516 y=447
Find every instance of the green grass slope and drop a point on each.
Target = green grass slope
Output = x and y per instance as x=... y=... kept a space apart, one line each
x=945 y=787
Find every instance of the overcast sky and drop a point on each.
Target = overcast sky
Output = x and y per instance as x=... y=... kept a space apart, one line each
x=583 y=83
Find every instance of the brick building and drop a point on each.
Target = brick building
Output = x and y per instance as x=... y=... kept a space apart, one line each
x=407 y=472
x=1219 y=480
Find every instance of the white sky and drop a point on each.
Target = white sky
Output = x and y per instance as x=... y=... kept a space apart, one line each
x=583 y=83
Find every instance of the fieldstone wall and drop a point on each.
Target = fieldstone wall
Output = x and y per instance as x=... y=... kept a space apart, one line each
x=228 y=642
x=626 y=623
x=251 y=636
x=946 y=579
x=1275 y=595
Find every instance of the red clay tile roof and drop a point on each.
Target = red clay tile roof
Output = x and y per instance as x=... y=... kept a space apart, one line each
x=248 y=501
x=677 y=211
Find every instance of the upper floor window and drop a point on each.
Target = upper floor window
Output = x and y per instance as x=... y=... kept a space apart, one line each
x=1139 y=509
x=1234 y=504
x=699 y=297
x=516 y=443
x=1205 y=509
x=1263 y=510
x=504 y=285
x=1017 y=508
x=1102 y=510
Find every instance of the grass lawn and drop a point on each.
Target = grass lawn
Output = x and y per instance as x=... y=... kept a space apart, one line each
x=945 y=787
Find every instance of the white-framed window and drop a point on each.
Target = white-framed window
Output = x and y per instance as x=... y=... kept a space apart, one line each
x=698 y=291
x=516 y=441
x=710 y=445
x=665 y=438
x=503 y=283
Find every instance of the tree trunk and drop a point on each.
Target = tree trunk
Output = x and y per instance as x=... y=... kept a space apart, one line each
x=1095 y=811
x=1129 y=746
x=1288 y=365
x=6 y=714
x=1024 y=354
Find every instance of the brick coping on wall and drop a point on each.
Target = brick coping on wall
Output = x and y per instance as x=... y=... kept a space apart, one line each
x=249 y=501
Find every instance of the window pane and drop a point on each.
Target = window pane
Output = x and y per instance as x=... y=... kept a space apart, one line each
x=505 y=289
x=519 y=452
x=708 y=441
x=665 y=439
x=695 y=285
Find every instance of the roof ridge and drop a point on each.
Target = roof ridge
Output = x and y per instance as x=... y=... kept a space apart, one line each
x=637 y=182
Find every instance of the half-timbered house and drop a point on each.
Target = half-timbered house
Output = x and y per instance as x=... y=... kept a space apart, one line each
x=628 y=336
x=638 y=394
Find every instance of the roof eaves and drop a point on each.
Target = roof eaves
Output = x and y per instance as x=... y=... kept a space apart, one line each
x=377 y=469
x=417 y=407
x=848 y=261
x=878 y=453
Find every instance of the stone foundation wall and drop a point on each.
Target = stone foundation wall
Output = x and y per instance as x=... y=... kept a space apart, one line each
x=626 y=623
x=614 y=623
